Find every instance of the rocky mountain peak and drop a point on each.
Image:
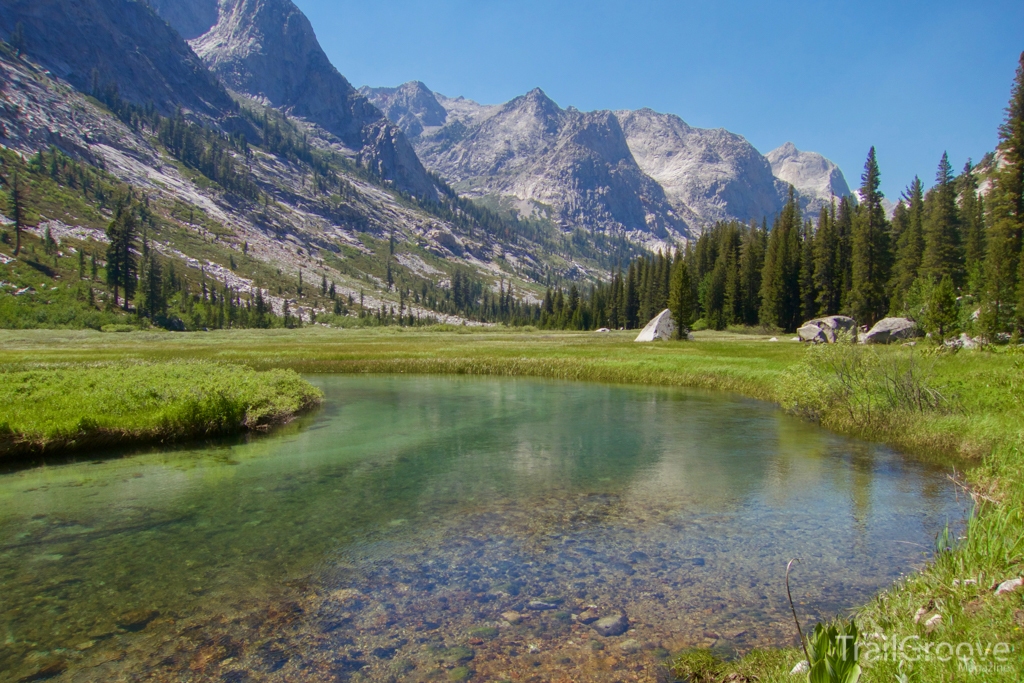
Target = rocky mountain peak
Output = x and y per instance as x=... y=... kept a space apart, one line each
x=411 y=106
x=815 y=178
x=267 y=49
x=711 y=173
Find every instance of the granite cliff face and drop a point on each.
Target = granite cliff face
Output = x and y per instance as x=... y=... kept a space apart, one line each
x=713 y=173
x=267 y=49
x=815 y=178
x=124 y=43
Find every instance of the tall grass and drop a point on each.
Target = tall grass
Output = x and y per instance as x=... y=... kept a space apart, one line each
x=51 y=408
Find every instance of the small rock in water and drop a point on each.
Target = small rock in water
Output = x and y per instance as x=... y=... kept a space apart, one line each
x=629 y=646
x=614 y=625
x=698 y=561
x=539 y=605
x=800 y=668
x=136 y=620
x=1009 y=586
x=512 y=617
x=588 y=616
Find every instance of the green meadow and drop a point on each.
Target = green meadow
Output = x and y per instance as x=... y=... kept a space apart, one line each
x=962 y=408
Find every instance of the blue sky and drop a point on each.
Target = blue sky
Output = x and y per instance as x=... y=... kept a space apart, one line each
x=912 y=78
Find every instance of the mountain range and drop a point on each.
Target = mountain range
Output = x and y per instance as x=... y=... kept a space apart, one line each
x=594 y=169
x=558 y=192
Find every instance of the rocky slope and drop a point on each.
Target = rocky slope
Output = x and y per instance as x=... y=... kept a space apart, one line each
x=575 y=167
x=815 y=178
x=123 y=43
x=703 y=175
x=715 y=174
x=296 y=227
x=267 y=49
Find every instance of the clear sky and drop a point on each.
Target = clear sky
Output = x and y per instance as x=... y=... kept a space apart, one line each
x=913 y=78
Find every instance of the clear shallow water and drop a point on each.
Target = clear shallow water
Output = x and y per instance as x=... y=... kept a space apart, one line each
x=390 y=536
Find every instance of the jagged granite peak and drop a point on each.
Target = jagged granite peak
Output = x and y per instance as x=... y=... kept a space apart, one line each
x=267 y=49
x=576 y=164
x=713 y=173
x=124 y=43
x=815 y=178
x=411 y=106
x=190 y=18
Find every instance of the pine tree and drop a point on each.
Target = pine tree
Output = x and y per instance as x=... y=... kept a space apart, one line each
x=808 y=285
x=1006 y=218
x=870 y=249
x=780 y=278
x=972 y=221
x=827 y=273
x=121 y=264
x=941 y=309
x=750 y=266
x=942 y=249
x=151 y=302
x=680 y=299
x=908 y=225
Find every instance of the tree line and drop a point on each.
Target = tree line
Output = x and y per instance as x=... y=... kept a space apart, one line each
x=949 y=258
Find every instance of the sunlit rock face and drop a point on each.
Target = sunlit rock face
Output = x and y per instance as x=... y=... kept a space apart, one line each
x=816 y=179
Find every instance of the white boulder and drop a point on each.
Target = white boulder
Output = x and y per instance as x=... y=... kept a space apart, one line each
x=826 y=329
x=662 y=326
x=888 y=330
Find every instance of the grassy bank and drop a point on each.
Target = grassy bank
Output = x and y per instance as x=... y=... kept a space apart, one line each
x=965 y=407
x=58 y=408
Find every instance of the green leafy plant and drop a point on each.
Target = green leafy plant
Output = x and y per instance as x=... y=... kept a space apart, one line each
x=831 y=650
x=832 y=653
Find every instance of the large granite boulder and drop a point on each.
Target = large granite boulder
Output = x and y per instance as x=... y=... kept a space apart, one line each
x=888 y=330
x=827 y=329
x=662 y=326
x=813 y=333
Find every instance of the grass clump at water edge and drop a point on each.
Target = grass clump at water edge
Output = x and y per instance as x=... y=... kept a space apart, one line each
x=56 y=408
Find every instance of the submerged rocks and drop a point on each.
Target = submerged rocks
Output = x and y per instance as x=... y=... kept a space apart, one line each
x=827 y=330
x=888 y=330
x=614 y=625
x=661 y=326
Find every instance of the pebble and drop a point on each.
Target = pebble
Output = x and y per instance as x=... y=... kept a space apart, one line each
x=801 y=667
x=614 y=625
x=512 y=617
x=629 y=646
x=540 y=605
x=1009 y=586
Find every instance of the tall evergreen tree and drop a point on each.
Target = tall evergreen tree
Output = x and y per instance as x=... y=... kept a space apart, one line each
x=870 y=249
x=151 y=301
x=780 y=278
x=750 y=266
x=1006 y=217
x=972 y=222
x=908 y=222
x=680 y=299
x=942 y=248
x=828 y=277
x=808 y=285
x=121 y=264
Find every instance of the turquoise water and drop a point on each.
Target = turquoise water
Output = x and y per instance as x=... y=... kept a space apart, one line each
x=403 y=531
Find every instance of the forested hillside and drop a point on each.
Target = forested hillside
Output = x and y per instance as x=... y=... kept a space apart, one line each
x=950 y=259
